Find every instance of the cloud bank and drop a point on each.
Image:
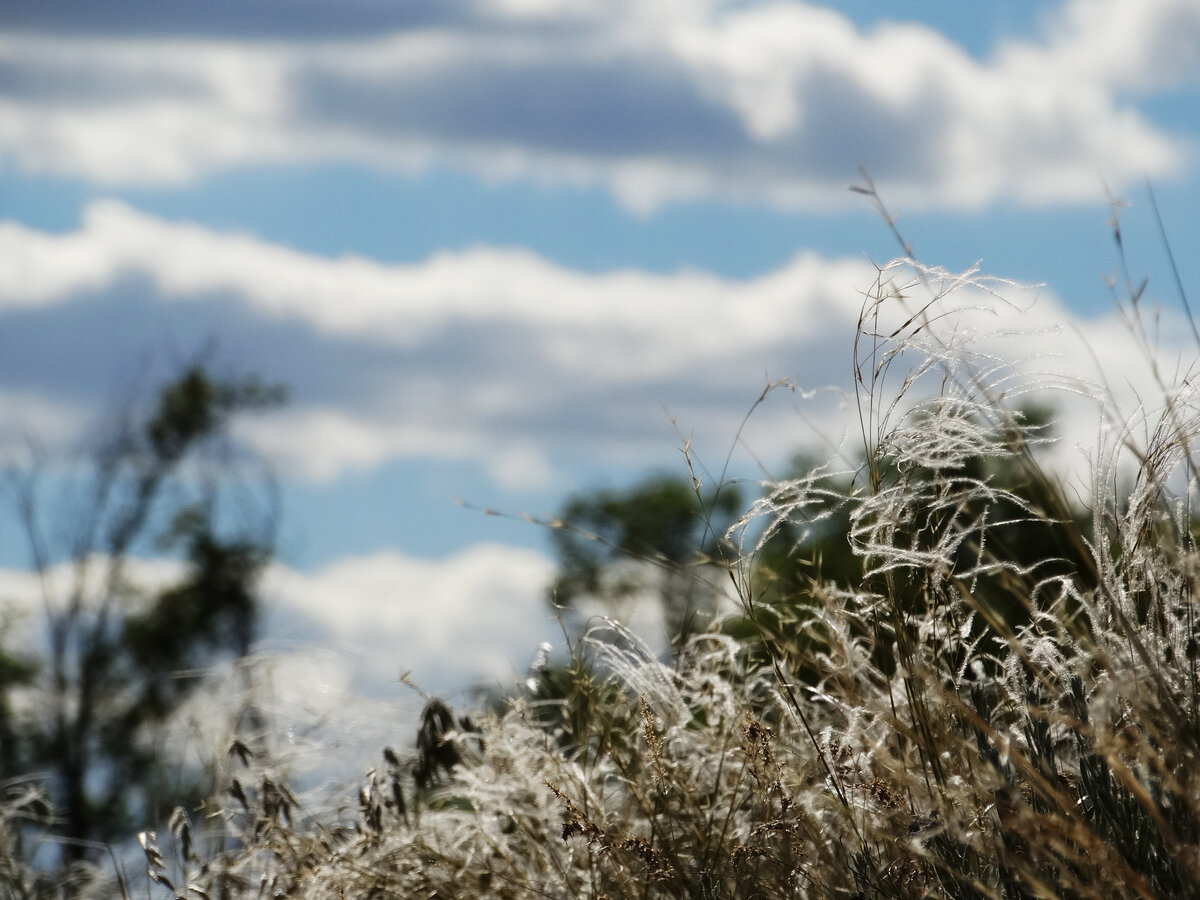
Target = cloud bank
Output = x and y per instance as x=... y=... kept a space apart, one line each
x=493 y=355
x=474 y=613
x=496 y=357
x=336 y=642
x=479 y=613
x=769 y=102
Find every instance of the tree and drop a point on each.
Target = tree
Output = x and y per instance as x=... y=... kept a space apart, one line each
x=1008 y=542
x=117 y=656
x=1001 y=528
x=655 y=536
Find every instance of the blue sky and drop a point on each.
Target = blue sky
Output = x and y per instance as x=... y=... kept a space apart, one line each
x=495 y=246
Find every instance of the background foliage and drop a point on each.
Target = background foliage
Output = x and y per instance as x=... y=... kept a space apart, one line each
x=84 y=707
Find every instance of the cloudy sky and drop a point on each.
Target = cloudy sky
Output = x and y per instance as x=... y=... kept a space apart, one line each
x=504 y=250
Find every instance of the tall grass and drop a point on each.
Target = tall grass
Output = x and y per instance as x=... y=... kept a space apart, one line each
x=1005 y=705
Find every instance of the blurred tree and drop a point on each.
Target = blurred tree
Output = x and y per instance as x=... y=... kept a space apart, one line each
x=655 y=537
x=803 y=551
x=118 y=658
x=1003 y=527
x=1018 y=537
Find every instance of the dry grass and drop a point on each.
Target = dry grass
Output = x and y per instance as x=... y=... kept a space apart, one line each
x=969 y=720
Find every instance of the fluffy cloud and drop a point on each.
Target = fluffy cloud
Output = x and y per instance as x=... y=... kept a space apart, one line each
x=478 y=613
x=475 y=613
x=336 y=642
x=495 y=357
x=1117 y=46
x=777 y=102
x=31 y=418
x=406 y=305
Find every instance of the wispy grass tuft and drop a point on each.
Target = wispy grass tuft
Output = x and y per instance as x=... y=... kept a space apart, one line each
x=994 y=695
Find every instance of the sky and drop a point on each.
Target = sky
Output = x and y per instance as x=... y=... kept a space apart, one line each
x=502 y=251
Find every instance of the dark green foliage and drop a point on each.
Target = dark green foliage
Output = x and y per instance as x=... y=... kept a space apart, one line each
x=655 y=535
x=195 y=407
x=120 y=660
x=212 y=609
x=18 y=669
x=437 y=752
x=581 y=707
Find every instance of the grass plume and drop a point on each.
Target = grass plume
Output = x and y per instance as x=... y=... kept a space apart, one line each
x=999 y=698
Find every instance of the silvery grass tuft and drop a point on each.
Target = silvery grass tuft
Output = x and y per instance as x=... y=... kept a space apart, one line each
x=1003 y=704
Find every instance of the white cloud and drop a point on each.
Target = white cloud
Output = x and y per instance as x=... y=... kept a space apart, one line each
x=1122 y=47
x=650 y=317
x=776 y=102
x=480 y=353
x=481 y=612
x=321 y=444
x=498 y=357
x=26 y=596
x=335 y=642
x=32 y=420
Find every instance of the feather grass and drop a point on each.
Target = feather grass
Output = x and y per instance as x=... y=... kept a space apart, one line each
x=968 y=719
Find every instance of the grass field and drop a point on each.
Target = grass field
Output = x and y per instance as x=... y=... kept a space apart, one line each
x=1002 y=703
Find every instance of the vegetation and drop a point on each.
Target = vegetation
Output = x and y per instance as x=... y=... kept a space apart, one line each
x=942 y=679
x=616 y=548
x=84 y=721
